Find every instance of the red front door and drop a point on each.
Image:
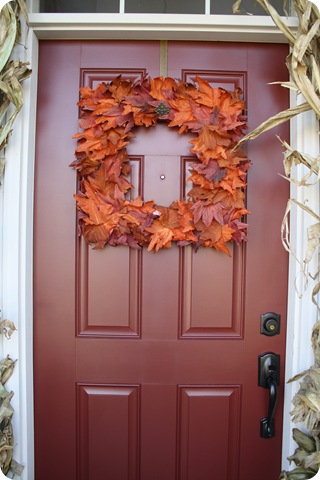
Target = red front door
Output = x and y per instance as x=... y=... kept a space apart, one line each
x=146 y=365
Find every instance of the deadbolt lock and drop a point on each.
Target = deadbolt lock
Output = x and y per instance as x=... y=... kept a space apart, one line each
x=270 y=324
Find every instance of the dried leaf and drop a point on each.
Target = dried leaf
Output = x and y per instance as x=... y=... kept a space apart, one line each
x=8 y=33
x=208 y=212
x=16 y=468
x=2 y=164
x=312 y=460
x=211 y=170
x=7 y=328
x=274 y=121
x=305 y=442
x=278 y=20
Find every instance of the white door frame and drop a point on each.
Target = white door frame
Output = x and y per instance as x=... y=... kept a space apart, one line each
x=16 y=199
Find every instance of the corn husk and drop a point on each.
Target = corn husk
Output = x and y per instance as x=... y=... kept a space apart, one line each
x=307 y=410
x=7 y=328
x=12 y=73
x=7 y=464
x=304 y=441
x=274 y=121
x=299 y=473
x=8 y=33
x=6 y=412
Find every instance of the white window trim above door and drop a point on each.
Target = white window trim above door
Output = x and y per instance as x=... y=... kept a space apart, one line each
x=17 y=198
x=226 y=28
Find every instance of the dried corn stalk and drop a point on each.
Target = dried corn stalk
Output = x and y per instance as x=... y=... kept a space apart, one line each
x=12 y=73
x=303 y=64
x=307 y=410
x=6 y=411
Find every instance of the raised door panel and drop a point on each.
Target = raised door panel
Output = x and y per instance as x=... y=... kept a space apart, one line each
x=108 y=426
x=208 y=434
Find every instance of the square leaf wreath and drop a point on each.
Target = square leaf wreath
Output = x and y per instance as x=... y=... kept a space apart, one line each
x=212 y=214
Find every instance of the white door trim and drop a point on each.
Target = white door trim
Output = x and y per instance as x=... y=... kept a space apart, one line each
x=17 y=198
x=302 y=313
x=227 y=28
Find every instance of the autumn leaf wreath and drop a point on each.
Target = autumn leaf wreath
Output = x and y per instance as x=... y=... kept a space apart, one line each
x=211 y=215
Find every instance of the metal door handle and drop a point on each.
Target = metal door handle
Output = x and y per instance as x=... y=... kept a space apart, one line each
x=267 y=423
x=269 y=374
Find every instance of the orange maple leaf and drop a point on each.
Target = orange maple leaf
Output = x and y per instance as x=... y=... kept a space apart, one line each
x=230 y=200
x=230 y=105
x=87 y=120
x=199 y=179
x=217 y=236
x=232 y=180
x=142 y=116
x=97 y=144
x=159 y=86
x=210 y=143
x=98 y=217
x=206 y=95
x=120 y=88
x=162 y=228
x=104 y=106
x=232 y=157
x=90 y=98
x=182 y=112
x=95 y=235
x=160 y=238
x=146 y=118
x=186 y=224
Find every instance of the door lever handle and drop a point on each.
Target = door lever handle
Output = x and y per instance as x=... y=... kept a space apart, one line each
x=267 y=423
x=269 y=374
